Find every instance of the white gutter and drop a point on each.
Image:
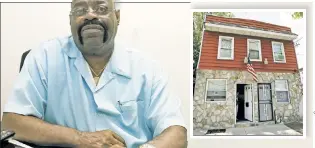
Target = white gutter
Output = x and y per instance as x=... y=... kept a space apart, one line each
x=248 y=31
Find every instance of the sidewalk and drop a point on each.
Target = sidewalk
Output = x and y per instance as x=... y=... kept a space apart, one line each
x=263 y=130
x=297 y=126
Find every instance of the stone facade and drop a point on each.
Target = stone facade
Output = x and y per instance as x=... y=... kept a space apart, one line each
x=222 y=114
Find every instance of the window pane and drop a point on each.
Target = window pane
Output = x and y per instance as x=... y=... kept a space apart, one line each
x=216 y=85
x=281 y=85
x=282 y=96
x=253 y=45
x=277 y=51
x=216 y=90
x=216 y=98
x=279 y=57
x=216 y=95
x=225 y=53
x=226 y=43
x=254 y=54
x=276 y=48
x=264 y=93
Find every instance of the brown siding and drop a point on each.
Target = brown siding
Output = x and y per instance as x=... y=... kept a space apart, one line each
x=249 y=23
x=209 y=52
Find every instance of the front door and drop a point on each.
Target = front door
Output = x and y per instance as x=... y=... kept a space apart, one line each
x=248 y=102
x=265 y=102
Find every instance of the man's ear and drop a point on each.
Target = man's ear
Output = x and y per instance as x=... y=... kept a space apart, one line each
x=117 y=12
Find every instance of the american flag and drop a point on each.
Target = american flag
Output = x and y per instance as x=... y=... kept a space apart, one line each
x=251 y=70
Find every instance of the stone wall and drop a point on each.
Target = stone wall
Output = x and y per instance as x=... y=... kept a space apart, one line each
x=216 y=115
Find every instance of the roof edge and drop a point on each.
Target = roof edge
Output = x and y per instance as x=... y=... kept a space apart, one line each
x=238 y=18
x=249 y=31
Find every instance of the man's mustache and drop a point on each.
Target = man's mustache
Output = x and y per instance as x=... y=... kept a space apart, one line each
x=93 y=22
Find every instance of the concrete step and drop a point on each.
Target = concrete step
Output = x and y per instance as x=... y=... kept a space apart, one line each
x=250 y=124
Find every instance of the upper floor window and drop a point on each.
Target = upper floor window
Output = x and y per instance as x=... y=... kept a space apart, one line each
x=278 y=52
x=254 y=50
x=226 y=48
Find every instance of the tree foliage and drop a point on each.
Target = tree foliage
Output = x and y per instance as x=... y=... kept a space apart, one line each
x=222 y=14
x=297 y=15
x=197 y=34
x=198 y=23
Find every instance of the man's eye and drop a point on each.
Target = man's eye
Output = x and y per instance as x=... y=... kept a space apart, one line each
x=80 y=11
x=101 y=9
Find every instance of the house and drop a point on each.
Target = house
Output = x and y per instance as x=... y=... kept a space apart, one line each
x=226 y=95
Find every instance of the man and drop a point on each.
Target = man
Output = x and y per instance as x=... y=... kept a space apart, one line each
x=88 y=90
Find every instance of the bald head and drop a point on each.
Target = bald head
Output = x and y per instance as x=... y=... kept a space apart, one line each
x=94 y=25
x=115 y=3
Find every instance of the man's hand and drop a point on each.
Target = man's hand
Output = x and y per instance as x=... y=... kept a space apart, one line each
x=172 y=137
x=100 y=139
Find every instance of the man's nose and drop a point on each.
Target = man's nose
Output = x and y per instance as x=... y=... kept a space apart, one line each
x=91 y=14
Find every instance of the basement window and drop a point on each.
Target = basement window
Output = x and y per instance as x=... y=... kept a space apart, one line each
x=282 y=91
x=216 y=90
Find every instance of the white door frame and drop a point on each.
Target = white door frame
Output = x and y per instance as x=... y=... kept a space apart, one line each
x=246 y=99
x=235 y=111
x=253 y=102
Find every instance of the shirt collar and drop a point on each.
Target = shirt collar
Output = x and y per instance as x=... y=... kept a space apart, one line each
x=119 y=63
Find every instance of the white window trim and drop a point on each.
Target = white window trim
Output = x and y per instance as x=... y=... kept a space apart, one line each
x=219 y=47
x=207 y=90
x=282 y=48
x=288 y=90
x=260 y=57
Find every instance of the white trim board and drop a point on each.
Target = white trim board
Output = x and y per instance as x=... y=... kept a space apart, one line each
x=248 y=31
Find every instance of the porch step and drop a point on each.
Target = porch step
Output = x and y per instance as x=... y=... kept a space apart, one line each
x=245 y=124
x=249 y=124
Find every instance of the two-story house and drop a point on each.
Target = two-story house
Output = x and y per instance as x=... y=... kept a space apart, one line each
x=226 y=95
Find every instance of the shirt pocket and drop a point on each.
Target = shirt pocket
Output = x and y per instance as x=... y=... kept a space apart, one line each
x=131 y=111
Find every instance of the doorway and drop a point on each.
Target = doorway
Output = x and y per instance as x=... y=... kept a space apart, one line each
x=244 y=103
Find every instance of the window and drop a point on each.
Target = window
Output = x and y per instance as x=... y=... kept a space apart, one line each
x=226 y=48
x=216 y=90
x=278 y=52
x=254 y=49
x=282 y=91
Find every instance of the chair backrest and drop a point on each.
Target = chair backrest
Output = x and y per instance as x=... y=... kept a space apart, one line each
x=23 y=58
